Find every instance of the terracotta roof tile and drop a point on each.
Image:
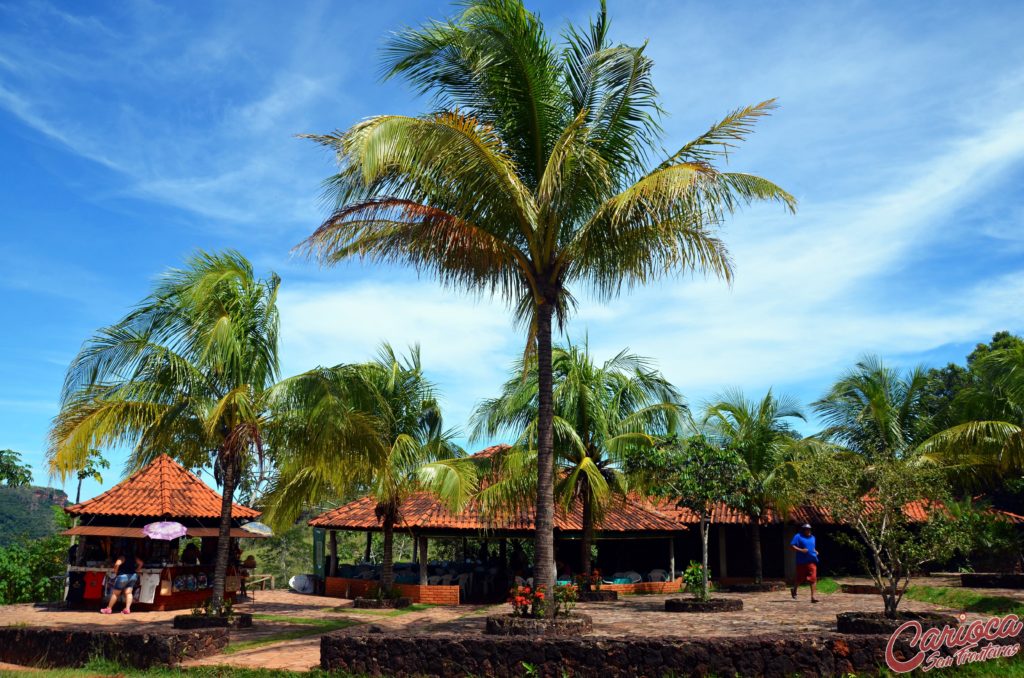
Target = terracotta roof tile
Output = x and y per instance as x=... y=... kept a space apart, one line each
x=726 y=515
x=162 y=489
x=423 y=512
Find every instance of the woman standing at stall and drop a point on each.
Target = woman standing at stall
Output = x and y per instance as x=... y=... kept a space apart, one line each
x=126 y=577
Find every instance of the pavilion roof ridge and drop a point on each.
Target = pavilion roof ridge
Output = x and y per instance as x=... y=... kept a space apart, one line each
x=162 y=488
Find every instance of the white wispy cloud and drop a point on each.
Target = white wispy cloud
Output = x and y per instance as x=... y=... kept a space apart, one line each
x=901 y=132
x=802 y=306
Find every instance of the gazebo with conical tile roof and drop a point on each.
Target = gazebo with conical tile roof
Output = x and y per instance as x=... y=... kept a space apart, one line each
x=113 y=522
x=163 y=490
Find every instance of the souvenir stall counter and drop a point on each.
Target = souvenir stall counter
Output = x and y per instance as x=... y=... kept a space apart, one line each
x=177 y=571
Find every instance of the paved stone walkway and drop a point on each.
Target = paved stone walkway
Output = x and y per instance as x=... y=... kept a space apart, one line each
x=638 y=616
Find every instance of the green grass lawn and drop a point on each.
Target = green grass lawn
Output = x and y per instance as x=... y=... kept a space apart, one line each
x=966 y=600
x=996 y=668
x=415 y=607
x=309 y=627
x=827 y=585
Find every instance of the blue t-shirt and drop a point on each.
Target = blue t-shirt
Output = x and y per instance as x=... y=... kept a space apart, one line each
x=803 y=542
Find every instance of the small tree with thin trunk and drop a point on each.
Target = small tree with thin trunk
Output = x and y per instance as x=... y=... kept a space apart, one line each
x=93 y=468
x=12 y=472
x=898 y=510
x=698 y=475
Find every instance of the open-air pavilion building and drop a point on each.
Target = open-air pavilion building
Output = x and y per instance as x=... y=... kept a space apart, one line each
x=636 y=535
x=632 y=536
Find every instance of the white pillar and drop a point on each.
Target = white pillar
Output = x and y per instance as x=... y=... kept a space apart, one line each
x=423 y=560
x=671 y=558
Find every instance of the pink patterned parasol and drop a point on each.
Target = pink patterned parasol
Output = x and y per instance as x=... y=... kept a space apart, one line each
x=164 y=531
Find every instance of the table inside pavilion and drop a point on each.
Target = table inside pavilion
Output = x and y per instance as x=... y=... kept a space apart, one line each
x=177 y=573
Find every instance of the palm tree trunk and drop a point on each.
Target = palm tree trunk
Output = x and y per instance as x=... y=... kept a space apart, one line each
x=220 y=571
x=704 y=520
x=387 y=570
x=755 y=538
x=544 y=536
x=588 y=528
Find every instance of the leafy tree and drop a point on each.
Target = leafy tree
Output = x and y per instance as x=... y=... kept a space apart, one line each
x=538 y=170
x=957 y=394
x=28 y=566
x=94 y=465
x=758 y=431
x=191 y=372
x=995 y=542
x=988 y=442
x=873 y=496
x=601 y=412
x=695 y=474
x=411 y=451
x=12 y=471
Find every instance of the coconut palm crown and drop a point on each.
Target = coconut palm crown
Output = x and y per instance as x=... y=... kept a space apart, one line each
x=602 y=412
x=760 y=433
x=411 y=450
x=538 y=171
x=192 y=372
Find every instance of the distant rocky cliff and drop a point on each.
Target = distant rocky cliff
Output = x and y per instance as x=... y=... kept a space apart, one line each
x=28 y=511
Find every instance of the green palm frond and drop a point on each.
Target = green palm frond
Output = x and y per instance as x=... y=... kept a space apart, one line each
x=761 y=435
x=602 y=412
x=723 y=136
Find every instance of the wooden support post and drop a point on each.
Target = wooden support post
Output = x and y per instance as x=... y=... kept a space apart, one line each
x=423 y=561
x=332 y=570
x=788 y=554
x=723 y=570
x=369 y=545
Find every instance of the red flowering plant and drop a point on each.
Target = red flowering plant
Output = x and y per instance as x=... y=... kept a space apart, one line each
x=527 y=601
x=566 y=596
x=591 y=582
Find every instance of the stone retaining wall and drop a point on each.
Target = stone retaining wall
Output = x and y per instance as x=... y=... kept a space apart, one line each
x=46 y=647
x=504 y=657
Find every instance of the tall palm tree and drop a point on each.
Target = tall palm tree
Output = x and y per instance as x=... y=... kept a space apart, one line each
x=763 y=438
x=534 y=174
x=601 y=413
x=190 y=372
x=412 y=451
x=874 y=410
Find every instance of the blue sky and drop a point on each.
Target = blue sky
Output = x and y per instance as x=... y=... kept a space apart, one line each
x=134 y=133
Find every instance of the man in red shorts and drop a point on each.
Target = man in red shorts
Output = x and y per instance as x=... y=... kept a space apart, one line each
x=806 y=560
